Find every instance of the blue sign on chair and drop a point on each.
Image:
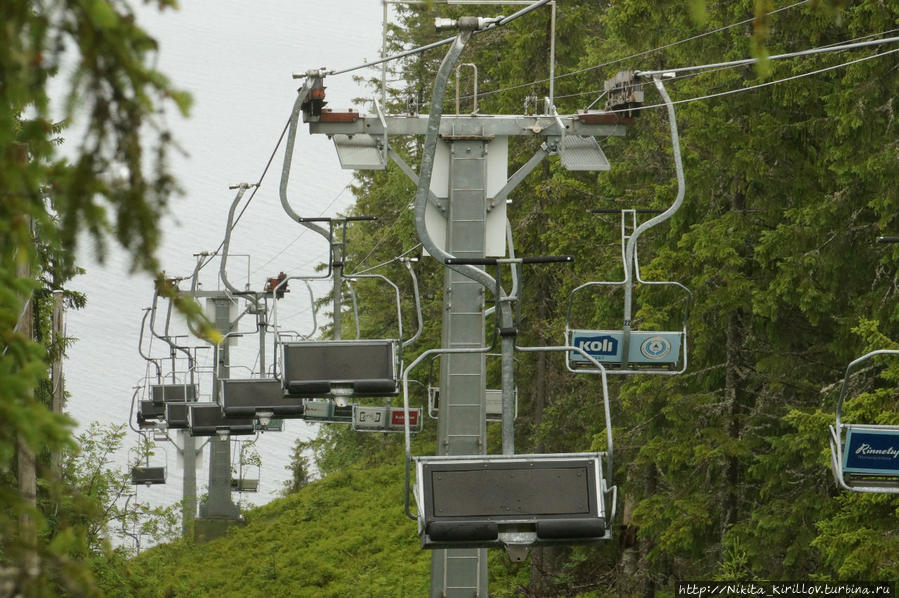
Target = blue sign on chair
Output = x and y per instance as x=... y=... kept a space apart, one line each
x=871 y=451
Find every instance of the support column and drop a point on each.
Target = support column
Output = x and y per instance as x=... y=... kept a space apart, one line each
x=188 y=483
x=461 y=426
x=218 y=511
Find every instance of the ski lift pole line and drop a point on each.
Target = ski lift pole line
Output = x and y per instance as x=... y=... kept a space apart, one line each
x=443 y=42
x=760 y=85
x=255 y=186
x=638 y=54
x=746 y=61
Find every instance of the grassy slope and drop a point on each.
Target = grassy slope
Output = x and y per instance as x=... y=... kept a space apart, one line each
x=345 y=535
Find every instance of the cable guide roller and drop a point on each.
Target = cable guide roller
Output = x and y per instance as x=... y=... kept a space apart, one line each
x=532 y=500
x=865 y=457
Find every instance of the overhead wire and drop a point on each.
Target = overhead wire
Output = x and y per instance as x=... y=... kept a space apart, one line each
x=764 y=84
x=304 y=231
x=256 y=187
x=390 y=261
x=637 y=55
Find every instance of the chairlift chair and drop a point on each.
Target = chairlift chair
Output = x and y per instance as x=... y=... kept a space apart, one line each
x=511 y=501
x=260 y=397
x=150 y=414
x=207 y=419
x=146 y=474
x=344 y=369
x=865 y=457
x=242 y=483
x=176 y=399
x=626 y=350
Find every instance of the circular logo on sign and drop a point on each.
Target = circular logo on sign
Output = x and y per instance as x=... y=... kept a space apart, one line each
x=655 y=347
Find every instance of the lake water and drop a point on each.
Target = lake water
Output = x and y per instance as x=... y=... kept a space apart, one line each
x=236 y=59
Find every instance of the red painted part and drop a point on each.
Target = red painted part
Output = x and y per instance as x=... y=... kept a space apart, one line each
x=317 y=93
x=329 y=116
x=396 y=418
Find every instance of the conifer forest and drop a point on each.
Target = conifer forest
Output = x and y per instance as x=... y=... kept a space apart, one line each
x=724 y=472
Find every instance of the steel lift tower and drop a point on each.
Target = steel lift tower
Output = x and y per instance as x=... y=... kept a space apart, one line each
x=465 y=216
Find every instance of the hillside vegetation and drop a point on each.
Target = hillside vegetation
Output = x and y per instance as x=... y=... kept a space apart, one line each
x=792 y=171
x=345 y=535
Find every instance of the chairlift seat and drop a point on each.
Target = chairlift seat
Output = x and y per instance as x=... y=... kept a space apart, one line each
x=251 y=396
x=646 y=349
x=149 y=414
x=177 y=416
x=173 y=393
x=244 y=485
x=147 y=475
x=360 y=368
x=491 y=501
x=207 y=419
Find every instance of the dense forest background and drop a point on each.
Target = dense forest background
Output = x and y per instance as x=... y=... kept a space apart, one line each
x=723 y=472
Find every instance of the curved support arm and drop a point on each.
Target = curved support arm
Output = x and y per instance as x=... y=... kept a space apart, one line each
x=140 y=343
x=844 y=389
x=131 y=414
x=427 y=164
x=167 y=340
x=241 y=189
x=396 y=291
x=681 y=187
x=417 y=334
x=288 y=158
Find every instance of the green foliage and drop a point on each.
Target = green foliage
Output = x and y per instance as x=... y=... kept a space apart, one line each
x=723 y=471
x=111 y=180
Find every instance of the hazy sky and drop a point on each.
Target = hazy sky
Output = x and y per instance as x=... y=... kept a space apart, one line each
x=236 y=59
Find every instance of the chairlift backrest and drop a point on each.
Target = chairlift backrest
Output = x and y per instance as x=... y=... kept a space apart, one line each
x=626 y=350
x=207 y=419
x=177 y=416
x=173 y=393
x=150 y=413
x=384 y=419
x=484 y=501
x=247 y=397
x=148 y=475
x=362 y=368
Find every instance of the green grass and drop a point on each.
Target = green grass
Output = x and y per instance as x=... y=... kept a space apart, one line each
x=345 y=535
